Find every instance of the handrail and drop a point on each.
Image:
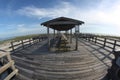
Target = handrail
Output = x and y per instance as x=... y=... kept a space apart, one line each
x=11 y=74
x=105 y=41
x=64 y=36
x=25 y=43
x=10 y=64
x=6 y=66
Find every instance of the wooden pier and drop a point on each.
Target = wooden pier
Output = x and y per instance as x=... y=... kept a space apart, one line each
x=90 y=62
x=77 y=57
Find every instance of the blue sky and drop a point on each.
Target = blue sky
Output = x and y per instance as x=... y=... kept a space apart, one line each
x=23 y=17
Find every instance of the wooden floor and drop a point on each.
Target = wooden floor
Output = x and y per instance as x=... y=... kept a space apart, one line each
x=90 y=62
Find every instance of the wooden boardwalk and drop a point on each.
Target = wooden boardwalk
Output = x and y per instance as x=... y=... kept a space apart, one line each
x=90 y=62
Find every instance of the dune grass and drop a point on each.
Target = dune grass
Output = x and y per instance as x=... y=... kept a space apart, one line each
x=26 y=37
x=18 y=38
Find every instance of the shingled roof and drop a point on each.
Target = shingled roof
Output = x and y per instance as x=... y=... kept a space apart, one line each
x=62 y=23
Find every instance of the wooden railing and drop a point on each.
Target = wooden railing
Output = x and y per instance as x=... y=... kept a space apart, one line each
x=9 y=64
x=111 y=43
x=22 y=44
x=64 y=37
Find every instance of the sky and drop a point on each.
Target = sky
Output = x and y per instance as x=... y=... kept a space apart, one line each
x=23 y=17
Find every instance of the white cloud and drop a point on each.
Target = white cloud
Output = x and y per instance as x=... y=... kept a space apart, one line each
x=60 y=10
x=103 y=18
x=106 y=13
x=31 y=28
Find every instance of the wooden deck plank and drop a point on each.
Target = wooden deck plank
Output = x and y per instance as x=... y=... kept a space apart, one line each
x=73 y=65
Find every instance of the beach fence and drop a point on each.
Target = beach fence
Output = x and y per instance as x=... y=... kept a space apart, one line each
x=22 y=44
x=7 y=68
x=112 y=44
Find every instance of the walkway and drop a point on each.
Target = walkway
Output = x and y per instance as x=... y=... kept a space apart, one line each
x=90 y=62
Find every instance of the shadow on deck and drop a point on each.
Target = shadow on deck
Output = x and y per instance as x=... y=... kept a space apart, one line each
x=102 y=54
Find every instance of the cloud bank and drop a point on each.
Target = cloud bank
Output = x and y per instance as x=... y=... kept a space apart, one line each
x=106 y=12
x=22 y=29
x=101 y=18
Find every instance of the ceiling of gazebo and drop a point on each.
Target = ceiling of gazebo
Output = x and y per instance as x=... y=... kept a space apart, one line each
x=62 y=23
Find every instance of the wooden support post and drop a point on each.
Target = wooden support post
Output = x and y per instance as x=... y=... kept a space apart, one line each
x=96 y=39
x=71 y=36
x=104 y=42
x=57 y=33
x=78 y=29
x=9 y=59
x=54 y=34
x=66 y=32
x=88 y=38
x=12 y=46
x=76 y=42
x=39 y=38
x=22 y=44
x=48 y=38
x=33 y=41
x=68 y=35
x=114 y=45
x=29 y=41
x=76 y=33
x=92 y=38
x=10 y=64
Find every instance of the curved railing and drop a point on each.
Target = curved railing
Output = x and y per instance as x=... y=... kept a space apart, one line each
x=8 y=65
x=111 y=43
x=22 y=44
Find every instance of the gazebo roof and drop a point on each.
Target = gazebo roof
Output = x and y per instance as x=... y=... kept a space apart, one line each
x=62 y=23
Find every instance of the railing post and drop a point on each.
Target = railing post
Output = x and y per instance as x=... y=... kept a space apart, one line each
x=88 y=38
x=104 y=42
x=96 y=39
x=12 y=46
x=114 y=45
x=9 y=64
x=92 y=39
x=71 y=36
x=29 y=41
x=9 y=59
x=33 y=41
x=39 y=39
x=22 y=44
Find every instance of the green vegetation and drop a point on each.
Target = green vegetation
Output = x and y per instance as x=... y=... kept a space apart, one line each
x=21 y=38
x=4 y=41
x=110 y=36
x=1 y=42
x=34 y=35
x=107 y=36
x=26 y=37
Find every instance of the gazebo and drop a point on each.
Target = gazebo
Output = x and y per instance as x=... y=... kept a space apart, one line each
x=63 y=24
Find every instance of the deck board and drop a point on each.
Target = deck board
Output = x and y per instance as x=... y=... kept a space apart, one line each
x=90 y=62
